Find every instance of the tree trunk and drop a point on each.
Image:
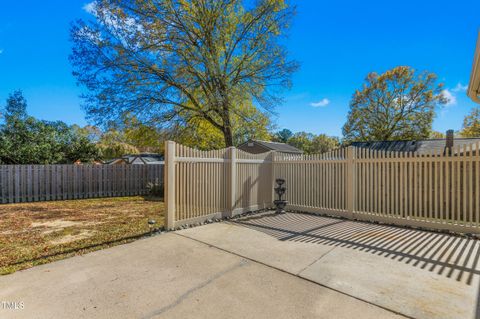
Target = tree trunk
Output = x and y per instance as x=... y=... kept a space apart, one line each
x=228 y=136
x=227 y=123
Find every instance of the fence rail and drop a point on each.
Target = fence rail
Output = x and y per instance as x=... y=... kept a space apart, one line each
x=439 y=190
x=30 y=183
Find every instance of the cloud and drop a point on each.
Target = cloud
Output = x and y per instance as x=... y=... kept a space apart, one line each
x=90 y=7
x=1 y=51
x=125 y=28
x=460 y=88
x=451 y=101
x=321 y=103
x=451 y=98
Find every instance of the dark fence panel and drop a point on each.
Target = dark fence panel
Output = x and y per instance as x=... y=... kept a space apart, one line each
x=32 y=183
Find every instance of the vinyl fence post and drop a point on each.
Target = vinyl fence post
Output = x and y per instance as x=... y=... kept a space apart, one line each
x=272 y=172
x=233 y=179
x=169 y=188
x=350 y=181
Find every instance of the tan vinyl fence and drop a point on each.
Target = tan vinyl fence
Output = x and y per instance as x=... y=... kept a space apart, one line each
x=202 y=185
x=31 y=183
x=317 y=183
x=437 y=191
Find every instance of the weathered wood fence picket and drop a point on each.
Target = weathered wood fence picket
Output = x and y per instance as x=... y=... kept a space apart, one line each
x=438 y=191
x=30 y=183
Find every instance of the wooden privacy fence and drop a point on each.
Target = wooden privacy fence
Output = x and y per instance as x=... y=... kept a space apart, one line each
x=29 y=183
x=437 y=191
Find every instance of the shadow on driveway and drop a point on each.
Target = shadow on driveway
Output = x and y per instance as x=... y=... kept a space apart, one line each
x=448 y=255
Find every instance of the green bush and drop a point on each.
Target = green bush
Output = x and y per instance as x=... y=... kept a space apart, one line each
x=155 y=189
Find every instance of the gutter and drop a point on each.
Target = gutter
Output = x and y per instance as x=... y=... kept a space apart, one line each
x=474 y=86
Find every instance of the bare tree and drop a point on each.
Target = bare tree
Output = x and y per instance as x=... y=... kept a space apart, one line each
x=165 y=60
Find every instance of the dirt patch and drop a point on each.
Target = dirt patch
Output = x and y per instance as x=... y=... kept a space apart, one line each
x=7 y=232
x=52 y=226
x=71 y=238
x=57 y=224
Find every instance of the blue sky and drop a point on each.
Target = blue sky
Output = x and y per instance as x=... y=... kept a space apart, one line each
x=336 y=42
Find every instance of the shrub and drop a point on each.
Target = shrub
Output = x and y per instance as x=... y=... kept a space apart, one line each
x=155 y=189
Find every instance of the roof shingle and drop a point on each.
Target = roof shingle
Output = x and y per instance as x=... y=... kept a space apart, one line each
x=420 y=146
x=274 y=146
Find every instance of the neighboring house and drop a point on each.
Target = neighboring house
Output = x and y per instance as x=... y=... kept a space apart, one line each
x=257 y=147
x=137 y=159
x=422 y=147
x=145 y=158
x=474 y=86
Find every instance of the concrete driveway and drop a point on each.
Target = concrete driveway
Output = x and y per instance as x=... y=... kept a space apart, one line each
x=171 y=276
x=415 y=273
x=287 y=266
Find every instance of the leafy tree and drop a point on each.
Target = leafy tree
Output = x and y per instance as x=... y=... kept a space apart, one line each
x=130 y=137
x=16 y=106
x=143 y=137
x=160 y=59
x=113 y=144
x=26 y=140
x=303 y=141
x=250 y=124
x=436 y=134
x=31 y=141
x=91 y=132
x=395 y=105
x=283 y=136
x=74 y=145
x=199 y=133
x=471 y=124
x=314 y=144
x=323 y=143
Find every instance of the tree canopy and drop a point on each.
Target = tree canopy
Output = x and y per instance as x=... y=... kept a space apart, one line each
x=26 y=140
x=16 y=107
x=398 y=104
x=168 y=62
x=114 y=144
x=308 y=142
x=130 y=136
x=199 y=133
x=436 y=134
x=283 y=136
x=471 y=124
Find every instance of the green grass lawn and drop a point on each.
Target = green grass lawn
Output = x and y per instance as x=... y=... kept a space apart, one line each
x=37 y=233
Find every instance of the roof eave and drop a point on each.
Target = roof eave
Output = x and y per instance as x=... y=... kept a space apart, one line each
x=474 y=95
x=474 y=85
